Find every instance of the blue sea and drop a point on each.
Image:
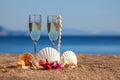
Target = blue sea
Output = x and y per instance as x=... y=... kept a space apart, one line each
x=78 y=44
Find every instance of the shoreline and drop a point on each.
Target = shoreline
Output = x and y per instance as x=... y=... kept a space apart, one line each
x=90 y=67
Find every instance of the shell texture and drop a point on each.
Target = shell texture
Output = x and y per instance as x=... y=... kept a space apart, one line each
x=25 y=59
x=48 y=53
x=68 y=57
x=59 y=25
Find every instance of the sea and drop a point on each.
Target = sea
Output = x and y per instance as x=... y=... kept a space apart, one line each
x=77 y=44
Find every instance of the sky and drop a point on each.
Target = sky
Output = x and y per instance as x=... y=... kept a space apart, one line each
x=82 y=16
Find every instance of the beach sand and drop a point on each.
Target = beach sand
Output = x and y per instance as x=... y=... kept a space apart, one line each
x=90 y=67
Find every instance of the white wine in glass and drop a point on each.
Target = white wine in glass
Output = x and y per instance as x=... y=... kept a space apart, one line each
x=52 y=29
x=35 y=29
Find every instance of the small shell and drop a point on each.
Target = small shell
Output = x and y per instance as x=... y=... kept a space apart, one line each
x=68 y=57
x=25 y=60
x=48 y=53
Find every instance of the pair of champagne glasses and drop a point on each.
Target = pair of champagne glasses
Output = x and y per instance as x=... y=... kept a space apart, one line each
x=35 y=24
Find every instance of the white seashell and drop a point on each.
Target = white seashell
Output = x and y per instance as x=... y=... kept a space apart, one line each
x=68 y=57
x=48 y=53
x=59 y=16
x=25 y=67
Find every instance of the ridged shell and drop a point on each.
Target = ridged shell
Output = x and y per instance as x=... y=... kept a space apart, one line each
x=48 y=53
x=25 y=59
x=68 y=57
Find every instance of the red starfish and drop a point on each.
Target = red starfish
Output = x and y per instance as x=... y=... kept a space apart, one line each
x=58 y=65
x=47 y=65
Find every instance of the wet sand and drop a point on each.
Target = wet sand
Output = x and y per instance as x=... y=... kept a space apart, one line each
x=90 y=67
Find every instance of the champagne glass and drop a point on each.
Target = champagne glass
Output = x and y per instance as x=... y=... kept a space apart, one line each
x=35 y=29
x=52 y=29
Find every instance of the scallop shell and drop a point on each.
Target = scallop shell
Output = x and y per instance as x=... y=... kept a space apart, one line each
x=48 y=53
x=69 y=57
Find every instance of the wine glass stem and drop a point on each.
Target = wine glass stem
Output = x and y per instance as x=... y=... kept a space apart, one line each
x=53 y=44
x=35 y=48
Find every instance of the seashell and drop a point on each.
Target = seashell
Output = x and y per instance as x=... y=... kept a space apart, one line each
x=25 y=60
x=59 y=17
x=59 y=25
x=25 y=67
x=68 y=57
x=36 y=65
x=48 y=53
x=70 y=66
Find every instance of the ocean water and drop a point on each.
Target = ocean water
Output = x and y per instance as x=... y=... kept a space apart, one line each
x=78 y=44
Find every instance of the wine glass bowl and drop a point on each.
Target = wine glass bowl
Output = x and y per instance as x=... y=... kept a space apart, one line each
x=35 y=29
x=52 y=28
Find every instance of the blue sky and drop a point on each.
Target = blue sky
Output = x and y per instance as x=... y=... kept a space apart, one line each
x=88 y=16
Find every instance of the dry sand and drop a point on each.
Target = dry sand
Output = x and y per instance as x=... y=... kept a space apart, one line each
x=90 y=67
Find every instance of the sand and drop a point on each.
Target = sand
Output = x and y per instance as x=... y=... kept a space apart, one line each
x=90 y=67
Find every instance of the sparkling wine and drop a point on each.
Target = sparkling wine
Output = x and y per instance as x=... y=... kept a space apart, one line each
x=52 y=31
x=35 y=29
